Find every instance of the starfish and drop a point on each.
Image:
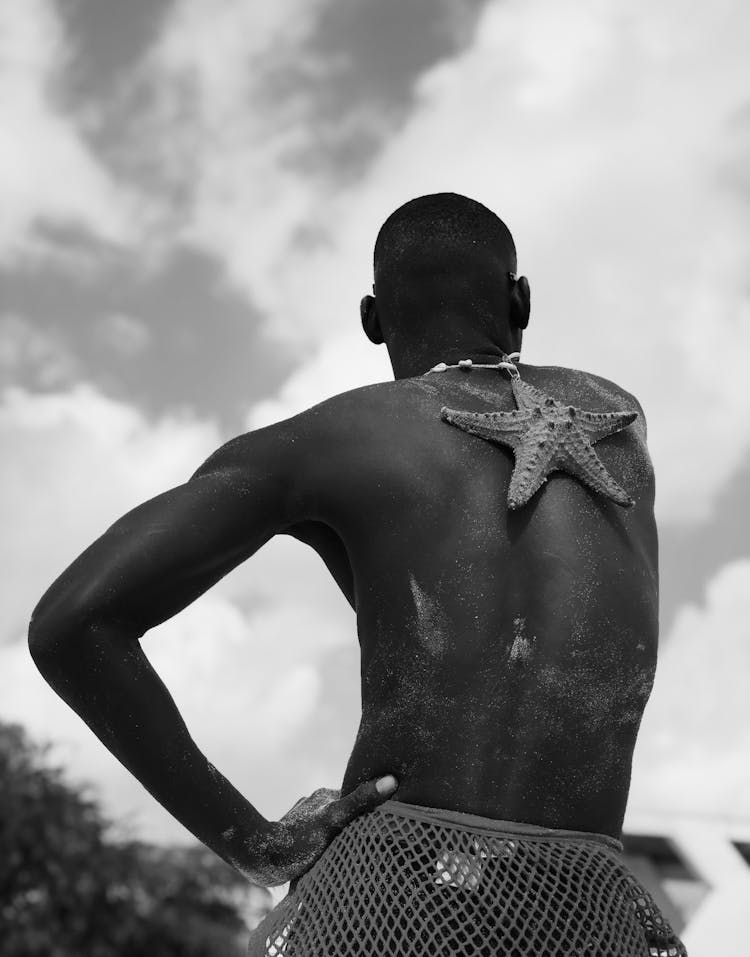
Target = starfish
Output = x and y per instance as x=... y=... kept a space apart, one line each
x=545 y=436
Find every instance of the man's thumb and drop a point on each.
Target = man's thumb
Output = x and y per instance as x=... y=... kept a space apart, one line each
x=387 y=785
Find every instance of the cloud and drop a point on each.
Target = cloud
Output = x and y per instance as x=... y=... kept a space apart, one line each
x=49 y=176
x=227 y=123
x=346 y=362
x=33 y=356
x=691 y=755
x=125 y=334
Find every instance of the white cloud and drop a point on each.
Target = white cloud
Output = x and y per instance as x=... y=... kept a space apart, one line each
x=48 y=174
x=692 y=753
x=340 y=364
x=223 y=129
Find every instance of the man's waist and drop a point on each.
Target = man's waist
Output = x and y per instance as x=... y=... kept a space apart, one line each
x=493 y=827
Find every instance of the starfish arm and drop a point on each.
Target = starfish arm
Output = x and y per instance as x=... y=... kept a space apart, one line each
x=598 y=425
x=528 y=396
x=533 y=465
x=505 y=428
x=581 y=460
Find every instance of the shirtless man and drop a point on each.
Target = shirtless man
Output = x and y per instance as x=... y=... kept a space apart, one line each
x=507 y=653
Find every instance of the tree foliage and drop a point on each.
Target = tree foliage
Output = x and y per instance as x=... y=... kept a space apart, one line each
x=68 y=888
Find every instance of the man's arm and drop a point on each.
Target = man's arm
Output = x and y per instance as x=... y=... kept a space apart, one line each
x=84 y=633
x=153 y=562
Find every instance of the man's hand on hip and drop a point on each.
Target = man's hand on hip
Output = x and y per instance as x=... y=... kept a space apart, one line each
x=296 y=841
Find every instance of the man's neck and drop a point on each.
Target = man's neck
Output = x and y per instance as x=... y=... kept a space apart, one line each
x=414 y=363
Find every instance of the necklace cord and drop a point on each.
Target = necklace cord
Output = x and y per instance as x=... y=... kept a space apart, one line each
x=507 y=362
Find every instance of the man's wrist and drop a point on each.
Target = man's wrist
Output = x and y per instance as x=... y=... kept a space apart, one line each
x=257 y=852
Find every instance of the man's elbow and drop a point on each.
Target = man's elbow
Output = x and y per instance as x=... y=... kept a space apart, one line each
x=55 y=623
x=63 y=620
x=49 y=633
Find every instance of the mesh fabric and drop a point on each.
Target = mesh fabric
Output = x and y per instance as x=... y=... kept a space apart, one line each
x=406 y=880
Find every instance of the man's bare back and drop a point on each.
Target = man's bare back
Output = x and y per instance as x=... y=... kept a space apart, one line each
x=506 y=656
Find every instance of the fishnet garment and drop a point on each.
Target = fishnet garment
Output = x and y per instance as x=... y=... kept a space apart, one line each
x=391 y=885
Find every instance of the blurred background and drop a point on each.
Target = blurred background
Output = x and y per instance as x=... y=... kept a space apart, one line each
x=190 y=193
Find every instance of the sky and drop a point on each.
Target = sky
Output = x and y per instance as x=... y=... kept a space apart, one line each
x=191 y=190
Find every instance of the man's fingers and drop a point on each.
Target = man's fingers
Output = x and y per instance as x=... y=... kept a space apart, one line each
x=325 y=796
x=311 y=803
x=368 y=795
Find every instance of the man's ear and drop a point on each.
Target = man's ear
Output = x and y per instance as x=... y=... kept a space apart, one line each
x=368 y=312
x=520 y=303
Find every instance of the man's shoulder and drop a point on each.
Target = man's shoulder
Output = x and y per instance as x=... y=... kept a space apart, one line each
x=323 y=429
x=593 y=384
x=344 y=415
x=590 y=391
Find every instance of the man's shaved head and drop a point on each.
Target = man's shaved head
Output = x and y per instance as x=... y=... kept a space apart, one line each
x=443 y=252
x=441 y=226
